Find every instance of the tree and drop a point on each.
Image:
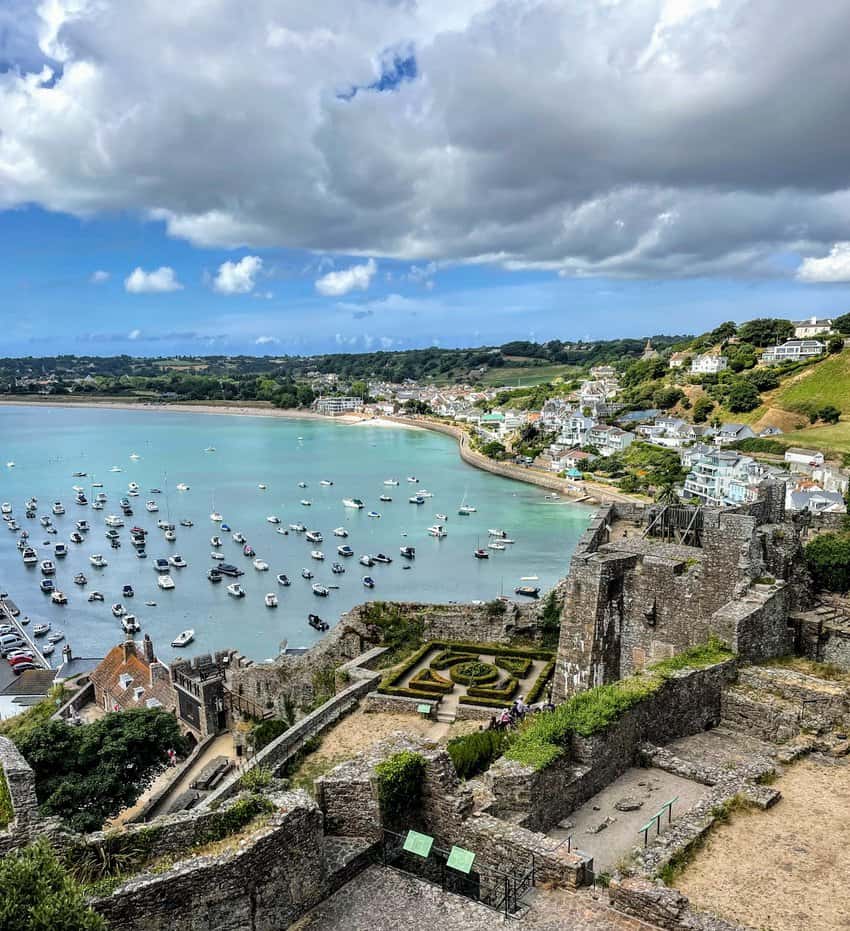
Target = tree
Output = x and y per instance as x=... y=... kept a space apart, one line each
x=835 y=344
x=765 y=331
x=743 y=396
x=667 y=397
x=702 y=408
x=763 y=379
x=829 y=414
x=38 y=895
x=494 y=450
x=828 y=559
x=842 y=323
x=88 y=774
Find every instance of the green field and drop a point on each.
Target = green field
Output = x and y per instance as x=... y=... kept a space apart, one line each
x=828 y=382
x=834 y=437
x=524 y=375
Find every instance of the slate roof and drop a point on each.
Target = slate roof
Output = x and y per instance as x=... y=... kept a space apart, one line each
x=119 y=675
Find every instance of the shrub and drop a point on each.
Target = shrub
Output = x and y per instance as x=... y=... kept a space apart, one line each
x=536 y=691
x=496 y=608
x=516 y=665
x=702 y=408
x=550 y=620
x=447 y=658
x=267 y=731
x=238 y=816
x=400 y=783
x=484 y=702
x=427 y=680
x=473 y=672
x=401 y=635
x=828 y=559
x=256 y=778
x=474 y=753
x=503 y=692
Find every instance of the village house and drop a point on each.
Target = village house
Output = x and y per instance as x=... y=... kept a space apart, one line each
x=803 y=460
x=807 y=329
x=571 y=459
x=609 y=440
x=130 y=676
x=795 y=350
x=809 y=496
x=708 y=364
x=733 y=432
x=713 y=475
x=677 y=360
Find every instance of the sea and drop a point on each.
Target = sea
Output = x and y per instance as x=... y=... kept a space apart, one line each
x=224 y=459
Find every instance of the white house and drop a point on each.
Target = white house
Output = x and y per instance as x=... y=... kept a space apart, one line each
x=609 y=440
x=732 y=432
x=795 y=350
x=815 y=500
x=803 y=460
x=708 y=365
x=807 y=329
x=341 y=405
x=724 y=476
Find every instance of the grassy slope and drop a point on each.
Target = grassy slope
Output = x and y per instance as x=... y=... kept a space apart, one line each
x=527 y=375
x=828 y=382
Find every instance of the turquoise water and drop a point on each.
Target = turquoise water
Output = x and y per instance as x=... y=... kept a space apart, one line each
x=49 y=444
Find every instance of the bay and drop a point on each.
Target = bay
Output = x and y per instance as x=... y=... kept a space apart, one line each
x=48 y=444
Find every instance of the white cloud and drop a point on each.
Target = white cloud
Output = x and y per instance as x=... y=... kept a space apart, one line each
x=158 y=281
x=134 y=334
x=238 y=277
x=355 y=277
x=832 y=268
x=266 y=340
x=423 y=275
x=99 y=277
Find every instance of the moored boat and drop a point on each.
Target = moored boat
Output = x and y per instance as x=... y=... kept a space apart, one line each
x=270 y=600
x=184 y=638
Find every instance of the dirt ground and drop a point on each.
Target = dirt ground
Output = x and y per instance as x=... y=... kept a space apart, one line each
x=786 y=868
x=359 y=731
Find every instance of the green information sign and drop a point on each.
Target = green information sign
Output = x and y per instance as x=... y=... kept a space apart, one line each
x=423 y=709
x=417 y=843
x=460 y=859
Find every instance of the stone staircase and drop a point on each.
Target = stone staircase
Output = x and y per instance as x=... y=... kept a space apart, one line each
x=445 y=717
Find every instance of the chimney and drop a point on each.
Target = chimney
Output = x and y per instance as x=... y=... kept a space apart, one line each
x=147 y=649
x=129 y=647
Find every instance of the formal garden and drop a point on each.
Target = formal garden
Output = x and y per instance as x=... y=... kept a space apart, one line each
x=488 y=675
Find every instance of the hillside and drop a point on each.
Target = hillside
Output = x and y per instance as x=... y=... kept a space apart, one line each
x=828 y=382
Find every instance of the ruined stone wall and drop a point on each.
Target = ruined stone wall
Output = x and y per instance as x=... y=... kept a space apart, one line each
x=756 y=627
x=266 y=882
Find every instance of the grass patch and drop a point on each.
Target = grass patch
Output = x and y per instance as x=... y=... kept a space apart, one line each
x=34 y=718
x=703 y=655
x=810 y=667
x=827 y=437
x=401 y=635
x=827 y=382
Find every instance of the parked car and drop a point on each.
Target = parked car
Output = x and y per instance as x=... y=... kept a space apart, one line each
x=10 y=647
x=21 y=667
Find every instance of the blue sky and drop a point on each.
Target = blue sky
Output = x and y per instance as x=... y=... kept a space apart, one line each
x=374 y=174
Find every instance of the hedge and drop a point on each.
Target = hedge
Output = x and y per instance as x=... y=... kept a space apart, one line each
x=446 y=658
x=485 y=702
x=474 y=753
x=400 y=783
x=428 y=680
x=411 y=661
x=503 y=692
x=473 y=672
x=518 y=666
x=536 y=691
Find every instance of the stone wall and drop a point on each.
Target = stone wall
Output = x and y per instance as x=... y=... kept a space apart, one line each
x=756 y=626
x=398 y=704
x=687 y=703
x=265 y=882
x=20 y=781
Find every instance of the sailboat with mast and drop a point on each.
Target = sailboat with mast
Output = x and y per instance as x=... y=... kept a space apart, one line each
x=214 y=514
x=465 y=509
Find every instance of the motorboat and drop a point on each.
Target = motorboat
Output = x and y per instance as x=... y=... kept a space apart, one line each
x=133 y=486
x=114 y=521
x=115 y=543
x=367 y=561
x=165 y=582
x=160 y=565
x=30 y=556
x=443 y=517
x=95 y=596
x=412 y=479
x=214 y=575
x=416 y=499
x=408 y=552
x=51 y=530
x=187 y=523
x=368 y=581
x=225 y=527
x=80 y=579
x=141 y=554
x=355 y=503
x=235 y=590
x=39 y=630
x=116 y=469
x=184 y=638
x=465 y=510
x=127 y=591
x=44 y=521
x=302 y=484
x=156 y=491
x=83 y=526
x=306 y=502
x=298 y=528
x=270 y=600
x=130 y=624
x=216 y=555
x=283 y=579
x=530 y=591
x=481 y=554
x=46 y=585
x=151 y=506
x=210 y=449
x=58 y=508
x=135 y=456
x=497 y=532
x=118 y=610
x=215 y=541
x=283 y=531
x=80 y=474
x=317 y=623
x=382 y=558
x=164 y=524
x=170 y=535
x=325 y=482
x=340 y=532
x=337 y=569
x=385 y=498
x=306 y=574
x=76 y=537
x=97 y=484
x=177 y=561
x=317 y=554
x=97 y=505
x=426 y=494
x=227 y=569
x=373 y=514
x=320 y=590
x=48 y=567
x=97 y=560
x=313 y=536
x=216 y=517
x=112 y=535
x=248 y=550
x=47 y=649
x=273 y=519
x=182 y=486
x=261 y=565
x=391 y=481
x=239 y=537
x=438 y=530
x=101 y=496
x=82 y=499
x=56 y=637
x=496 y=545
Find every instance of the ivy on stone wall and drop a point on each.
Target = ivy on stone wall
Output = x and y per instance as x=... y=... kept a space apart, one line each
x=400 y=784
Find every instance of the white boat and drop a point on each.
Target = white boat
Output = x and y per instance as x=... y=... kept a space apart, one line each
x=10 y=464
x=302 y=484
x=442 y=517
x=366 y=561
x=58 y=598
x=58 y=508
x=324 y=481
x=353 y=503
x=182 y=486
x=118 y=610
x=271 y=600
x=101 y=496
x=466 y=509
x=416 y=499
x=97 y=505
x=30 y=556
x=273 y=519
x=215 y=541
x=385 y=498
x=39 y=630
x=261 y=565
x=165 y=582
x=55 y=637
x=307 y=503
x=283 y=531
x=345 y=550
x=239 y=537
x=298 y=528
x=235 y=590
x=216 y=517
x=177 y=561
x=151 y=506
x=317 y=554
x=97 y=560
x=116 y=469
x=438 y=530
x=47 y=567
x=114 y=521
x=184 y=638
x=373 y=514
x=95 y=596
x=170 y=535
x=412 y=479
x=340 y=532
x=129 y=624
x=135 y=456
x=391 y=481
x=47 y=649
x=426 y=494
x=5 y=508
x=320 y=590
x=496 y=545
x=216 y=555
x=313 y=536
x=133 y=486
x=210 y=449
x=497 y=532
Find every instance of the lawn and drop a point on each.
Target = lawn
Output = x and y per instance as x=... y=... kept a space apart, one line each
x=828 y=382
x=826 y=437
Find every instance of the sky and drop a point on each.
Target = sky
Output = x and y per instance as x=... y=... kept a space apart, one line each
x=351 y=175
